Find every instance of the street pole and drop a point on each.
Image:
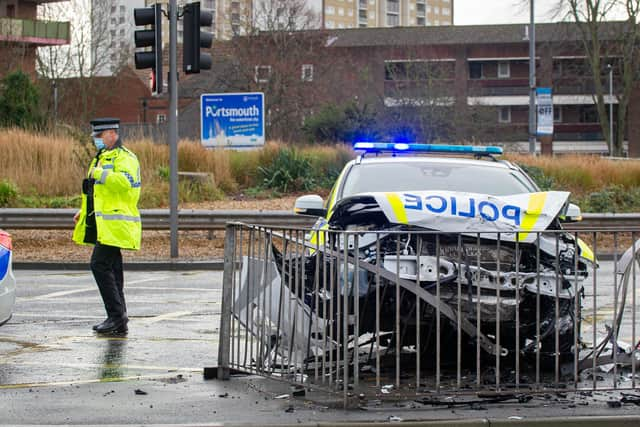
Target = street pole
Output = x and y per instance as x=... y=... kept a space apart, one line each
x=610 y=109
x=532 y=80
x=55 y=101
x=173 y=127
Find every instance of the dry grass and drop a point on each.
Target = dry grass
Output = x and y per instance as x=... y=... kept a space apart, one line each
x=582 y=174
x=40 y=165
x=54 y=166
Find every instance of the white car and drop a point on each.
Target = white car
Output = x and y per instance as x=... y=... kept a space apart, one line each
x=7 y=280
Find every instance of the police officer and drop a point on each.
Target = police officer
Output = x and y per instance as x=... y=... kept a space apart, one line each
x=109 y=218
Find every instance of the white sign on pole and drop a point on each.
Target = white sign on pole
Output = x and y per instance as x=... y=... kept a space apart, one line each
x=544 y=103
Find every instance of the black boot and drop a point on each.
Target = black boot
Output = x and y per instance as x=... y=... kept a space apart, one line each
x=111 y=326
x=96 y=326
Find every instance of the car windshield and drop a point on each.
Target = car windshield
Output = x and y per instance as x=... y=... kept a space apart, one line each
x=422 y=176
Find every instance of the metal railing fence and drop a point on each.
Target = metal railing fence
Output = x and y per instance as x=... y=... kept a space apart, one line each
x=201 y=219
x=392 y=313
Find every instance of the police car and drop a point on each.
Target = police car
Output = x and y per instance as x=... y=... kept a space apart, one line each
x=7 y=281
x=486 y=218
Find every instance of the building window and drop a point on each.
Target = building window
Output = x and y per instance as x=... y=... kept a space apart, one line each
x=557 y=114
x=504 y=70
x=161 y=118
x=589 y=114
x=446 y=11
x=557 y=68
x=393 y=6
x=475 y=70
x=393 y=20
x=307 y=72
x=262 y=73
x=420 y=21
x=122 y=8
x=504 y=115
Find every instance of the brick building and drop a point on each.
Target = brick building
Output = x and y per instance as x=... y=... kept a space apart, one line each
x=21 y=33
x=484 y=68
x=477 y=73
x=481 y=71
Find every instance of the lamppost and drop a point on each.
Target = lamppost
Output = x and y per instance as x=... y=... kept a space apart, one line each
x=532 y=79
x=610 y=68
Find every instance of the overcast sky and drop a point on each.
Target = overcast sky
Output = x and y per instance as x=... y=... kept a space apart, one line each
x=467 y=12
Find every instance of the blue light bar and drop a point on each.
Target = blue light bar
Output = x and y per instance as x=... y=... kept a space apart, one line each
x=379 y=147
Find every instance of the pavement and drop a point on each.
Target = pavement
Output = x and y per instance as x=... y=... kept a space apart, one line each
x=55 y=371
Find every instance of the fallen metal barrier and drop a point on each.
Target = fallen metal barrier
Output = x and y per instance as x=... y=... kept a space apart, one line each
x=393 y=314
x=194 y=219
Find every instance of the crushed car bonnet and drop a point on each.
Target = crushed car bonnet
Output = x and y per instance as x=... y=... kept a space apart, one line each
x=469 y=212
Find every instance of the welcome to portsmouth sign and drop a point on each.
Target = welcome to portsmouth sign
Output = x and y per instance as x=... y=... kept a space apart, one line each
x=233 y=120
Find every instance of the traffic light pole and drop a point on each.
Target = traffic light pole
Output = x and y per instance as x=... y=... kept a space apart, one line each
x=173 y=127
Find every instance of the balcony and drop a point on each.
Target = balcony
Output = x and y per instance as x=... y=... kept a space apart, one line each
x=41 y=33
x=582 y=86
x=418 y=89
x=498 y=87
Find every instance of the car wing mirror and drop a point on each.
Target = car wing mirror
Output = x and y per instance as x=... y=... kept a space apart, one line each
x=309 y=205
x=572 y=214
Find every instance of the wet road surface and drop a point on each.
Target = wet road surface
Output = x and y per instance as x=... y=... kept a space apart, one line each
x=55 y=369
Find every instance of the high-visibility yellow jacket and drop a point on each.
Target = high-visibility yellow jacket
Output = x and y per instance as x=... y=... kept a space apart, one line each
x=111 y=192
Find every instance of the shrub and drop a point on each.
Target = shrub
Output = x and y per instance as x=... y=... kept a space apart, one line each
x=341 y=124
x=289 y=171
x=612 y=198
x=543 y=181
x=8 y=193
x=19 y=101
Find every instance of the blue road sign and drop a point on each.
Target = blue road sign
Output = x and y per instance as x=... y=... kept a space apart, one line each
x=233 y=120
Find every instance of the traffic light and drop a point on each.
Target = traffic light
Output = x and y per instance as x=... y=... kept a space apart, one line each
x=193 y=60
x=150 y=16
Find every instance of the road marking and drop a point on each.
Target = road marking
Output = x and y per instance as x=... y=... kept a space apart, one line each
x=166 y=316
x=59 y=294
x=148 y=279
x=53 y=317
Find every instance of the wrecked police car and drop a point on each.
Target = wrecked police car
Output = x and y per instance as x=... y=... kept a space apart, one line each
x=414 y=251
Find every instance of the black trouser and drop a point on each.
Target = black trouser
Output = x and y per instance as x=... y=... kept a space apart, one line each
x=106 y=265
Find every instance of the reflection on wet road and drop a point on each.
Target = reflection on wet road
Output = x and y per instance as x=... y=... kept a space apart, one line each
x=174 y=318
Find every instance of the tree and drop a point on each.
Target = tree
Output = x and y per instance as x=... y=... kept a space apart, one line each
x=19 y=101
x=420 y=104
x=617 y=47
x=92 y=54
x=277 y=56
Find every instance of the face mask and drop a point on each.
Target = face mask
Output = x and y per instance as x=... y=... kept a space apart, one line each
x=99 y=143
